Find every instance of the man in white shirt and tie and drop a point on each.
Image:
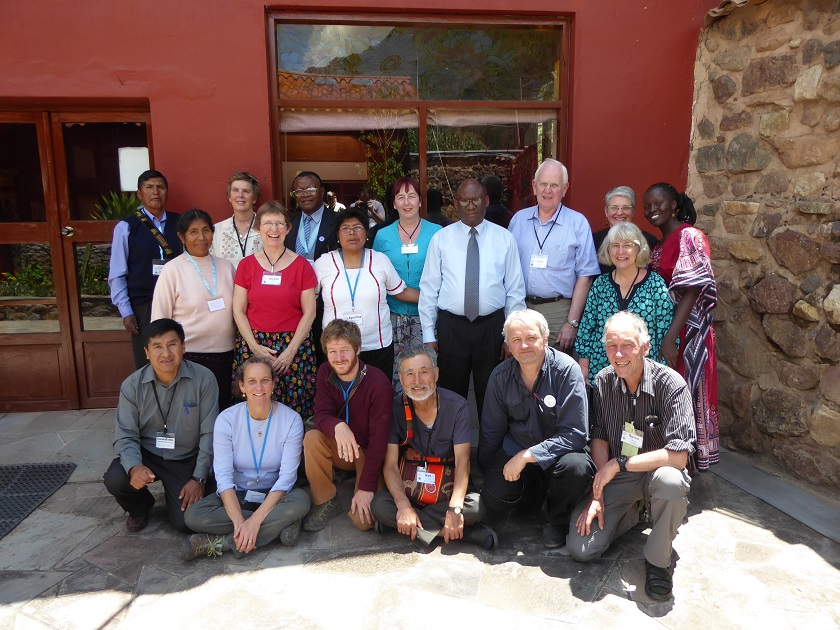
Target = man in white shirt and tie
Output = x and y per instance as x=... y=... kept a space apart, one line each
x=471 y=281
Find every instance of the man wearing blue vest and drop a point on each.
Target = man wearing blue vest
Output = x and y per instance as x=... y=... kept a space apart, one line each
x=142 y=243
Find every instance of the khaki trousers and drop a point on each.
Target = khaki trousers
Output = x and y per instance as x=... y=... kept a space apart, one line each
x=320 y=455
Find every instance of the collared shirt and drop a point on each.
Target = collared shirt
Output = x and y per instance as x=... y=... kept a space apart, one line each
x=192 y=402
x=442 y=283
x=233 y=459
x=451 y=427
x=226 y=243
x=662 y=393
x=309 y=247
x=118 y=269
x=568 y=245
x=515 y=418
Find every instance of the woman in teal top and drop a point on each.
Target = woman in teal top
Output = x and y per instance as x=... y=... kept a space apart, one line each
x=405 y=243
x=629 y=287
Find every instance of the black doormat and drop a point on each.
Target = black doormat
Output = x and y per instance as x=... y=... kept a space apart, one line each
x=23 y=487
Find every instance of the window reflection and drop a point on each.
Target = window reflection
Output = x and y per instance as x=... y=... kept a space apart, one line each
x=21 y=186
x=92 y=261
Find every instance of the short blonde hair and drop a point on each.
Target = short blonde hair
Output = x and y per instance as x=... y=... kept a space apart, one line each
x=624 y=232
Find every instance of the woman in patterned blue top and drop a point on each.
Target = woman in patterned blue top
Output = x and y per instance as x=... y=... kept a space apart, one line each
x=629 y=287
x=405 y=243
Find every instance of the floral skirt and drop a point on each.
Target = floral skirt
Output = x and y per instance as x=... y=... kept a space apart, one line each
x=295 y=387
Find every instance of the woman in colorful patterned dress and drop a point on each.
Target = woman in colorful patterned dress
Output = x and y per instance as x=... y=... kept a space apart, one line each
x=628 y=287
x=274 y=307
x=682 y=258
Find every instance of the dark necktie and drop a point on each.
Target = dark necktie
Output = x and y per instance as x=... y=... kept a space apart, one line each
x=471 y=278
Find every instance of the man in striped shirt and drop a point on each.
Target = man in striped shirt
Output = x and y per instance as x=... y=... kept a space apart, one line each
x=642 y=429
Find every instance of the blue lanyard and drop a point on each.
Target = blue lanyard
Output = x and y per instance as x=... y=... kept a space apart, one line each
x=314 y=226
x=347 y=276
x=346 y=393
x=206 y=286
x=265 y=440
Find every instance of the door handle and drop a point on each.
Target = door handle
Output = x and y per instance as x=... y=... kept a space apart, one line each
x=68 y=231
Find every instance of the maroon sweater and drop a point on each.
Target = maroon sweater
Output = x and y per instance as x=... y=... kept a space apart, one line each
x=370 y=416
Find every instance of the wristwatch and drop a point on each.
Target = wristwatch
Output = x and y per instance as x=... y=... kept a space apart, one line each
x=199 y=480
x=574 y=323
x=622 y=462
x=455 y=510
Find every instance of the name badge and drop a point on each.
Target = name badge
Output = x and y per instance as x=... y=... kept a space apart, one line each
x=165 y=441
x=539 y=262
x=252 y=496
x=424 y=477
x=631 y=440
x=216 y=305
x=157 y=266
x=271 y=279
x=356 y=318
x=410 y=248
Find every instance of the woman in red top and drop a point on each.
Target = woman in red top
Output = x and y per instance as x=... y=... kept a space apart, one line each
x=682 y=258
x=274 y=307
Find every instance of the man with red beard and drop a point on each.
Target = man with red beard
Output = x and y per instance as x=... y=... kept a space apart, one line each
x=352 y=416
x=430 y=428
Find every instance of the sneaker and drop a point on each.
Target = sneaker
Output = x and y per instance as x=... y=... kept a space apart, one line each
x=201 y=545
x=554 y=536
x=319 y=515
x=290 y=534
x=481 y=535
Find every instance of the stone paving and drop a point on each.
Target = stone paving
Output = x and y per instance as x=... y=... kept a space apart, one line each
x=71 y=564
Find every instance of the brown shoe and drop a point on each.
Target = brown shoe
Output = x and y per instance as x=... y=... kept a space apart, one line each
x=136 y=524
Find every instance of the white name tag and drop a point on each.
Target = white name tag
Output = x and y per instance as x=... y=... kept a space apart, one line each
x=356 y=318
x=632 y=439
x=157 y=267
x=216 y=305
x=252 y=496
x=539 y=262
x=165 y=441
x=424 y=477
x=411 y=248
x=271 y=279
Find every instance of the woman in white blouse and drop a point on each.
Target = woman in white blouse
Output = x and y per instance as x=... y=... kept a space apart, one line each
x=238 y=236
x=354 y=282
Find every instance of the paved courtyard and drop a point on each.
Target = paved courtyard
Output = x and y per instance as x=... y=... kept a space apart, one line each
x=71 y=564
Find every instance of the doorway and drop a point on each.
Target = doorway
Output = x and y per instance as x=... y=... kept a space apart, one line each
x=62 y=343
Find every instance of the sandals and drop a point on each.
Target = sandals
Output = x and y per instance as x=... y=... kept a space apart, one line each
x=658 y=582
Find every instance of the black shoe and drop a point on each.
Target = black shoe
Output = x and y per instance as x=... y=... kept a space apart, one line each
x=381 y=528
x=659 y=582
x=554 y=536
x=481 y=535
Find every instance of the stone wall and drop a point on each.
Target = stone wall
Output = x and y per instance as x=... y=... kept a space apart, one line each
x=764 y=174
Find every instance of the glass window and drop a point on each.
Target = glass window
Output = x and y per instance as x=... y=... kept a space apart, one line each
x=27 y=292
x=92 y=151
x=21 y=186
x=92 y=261
x=435 y=62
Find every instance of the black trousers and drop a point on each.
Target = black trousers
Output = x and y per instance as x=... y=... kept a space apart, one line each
x=317 y=329
x=221 y=364
x=143 y=313
x=382 y=359
x=465 y=348
x=563 y=485
x=174 y=474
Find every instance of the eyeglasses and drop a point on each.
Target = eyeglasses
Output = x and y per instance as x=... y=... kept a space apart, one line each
x=465 y=203
x=304 y=192
x=277 y=225
x=347 y=230
x=552 y=186
x=620 y=208
x=622 y=246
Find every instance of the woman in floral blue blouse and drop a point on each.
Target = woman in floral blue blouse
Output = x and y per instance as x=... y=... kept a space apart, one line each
x=629 y=287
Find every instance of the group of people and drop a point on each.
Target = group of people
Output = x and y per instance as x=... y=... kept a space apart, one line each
x=612 y=380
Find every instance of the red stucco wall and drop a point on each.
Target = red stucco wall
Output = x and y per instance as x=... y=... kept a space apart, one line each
x=202 y=66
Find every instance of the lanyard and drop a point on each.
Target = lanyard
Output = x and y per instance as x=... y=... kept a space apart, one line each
x=214 y=290
x=243 y=246
x=413 y=232
x=283 y=253
x=347 y=276
x=169 y=408
x=346 y=394
x=265 y=440
x=553 y=223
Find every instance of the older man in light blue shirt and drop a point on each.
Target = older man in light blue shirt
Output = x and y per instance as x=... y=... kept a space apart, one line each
x=465 y=296
x=557 y=254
